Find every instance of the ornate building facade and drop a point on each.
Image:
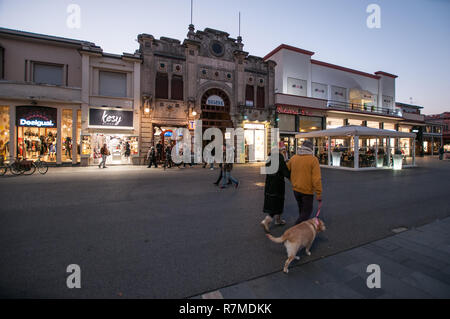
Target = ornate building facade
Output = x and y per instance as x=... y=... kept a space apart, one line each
x=206 y=77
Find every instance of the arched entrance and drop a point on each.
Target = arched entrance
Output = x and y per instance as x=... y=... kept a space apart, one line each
x=215 y=105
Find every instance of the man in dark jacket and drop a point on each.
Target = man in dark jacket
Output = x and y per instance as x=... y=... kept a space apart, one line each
x=168 y=161
x=274 y=194
x=159 y=151
x=151 y=156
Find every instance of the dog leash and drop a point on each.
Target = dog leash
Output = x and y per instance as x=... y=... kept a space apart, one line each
x=318 y=212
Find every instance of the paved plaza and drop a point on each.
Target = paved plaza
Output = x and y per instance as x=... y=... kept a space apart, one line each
x=150 y=233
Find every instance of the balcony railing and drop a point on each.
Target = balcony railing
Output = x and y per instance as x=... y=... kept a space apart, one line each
x=364 y=108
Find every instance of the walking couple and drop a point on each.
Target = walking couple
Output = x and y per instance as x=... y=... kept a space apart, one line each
x=225 y=172
x=303 y=170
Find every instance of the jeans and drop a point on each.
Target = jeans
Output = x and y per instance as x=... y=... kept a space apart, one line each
x=103 y=162
x=227 y=176
x=305 y=206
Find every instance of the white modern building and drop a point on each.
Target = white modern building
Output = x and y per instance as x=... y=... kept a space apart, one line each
x=312 y=95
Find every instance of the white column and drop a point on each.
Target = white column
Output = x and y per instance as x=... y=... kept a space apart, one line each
x=85 y=90
x=329 y=151
x=380 y=94
x=414 y=152
x=59 y=137
x=12 y=133
x=356 y=151
x=388 y=146
x=309 y=80
x=137 y=101
x=74 y=135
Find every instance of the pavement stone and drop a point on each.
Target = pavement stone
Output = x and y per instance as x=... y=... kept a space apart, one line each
x=408 y=270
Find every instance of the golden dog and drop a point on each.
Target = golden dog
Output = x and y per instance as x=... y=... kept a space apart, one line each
x=297 y=237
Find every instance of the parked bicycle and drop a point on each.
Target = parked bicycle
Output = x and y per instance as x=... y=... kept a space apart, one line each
x=19 y=167
x=41 y=166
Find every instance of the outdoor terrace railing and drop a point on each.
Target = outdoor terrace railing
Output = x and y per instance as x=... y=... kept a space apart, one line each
x=364 y=108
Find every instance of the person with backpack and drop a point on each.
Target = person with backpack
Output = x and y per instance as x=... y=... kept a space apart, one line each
x=105 y=153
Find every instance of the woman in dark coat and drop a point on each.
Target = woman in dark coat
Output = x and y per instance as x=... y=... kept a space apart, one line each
x=274 y=194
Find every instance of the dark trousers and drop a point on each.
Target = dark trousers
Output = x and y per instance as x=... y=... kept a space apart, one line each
x=220 y=177
x=152 y=162
x=305 y=206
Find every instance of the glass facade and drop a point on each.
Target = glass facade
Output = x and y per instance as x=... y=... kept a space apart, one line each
x=4 y=133
x=309 y=123
x=35 y=142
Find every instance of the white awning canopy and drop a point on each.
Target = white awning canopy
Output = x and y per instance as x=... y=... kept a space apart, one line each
x=354 y=130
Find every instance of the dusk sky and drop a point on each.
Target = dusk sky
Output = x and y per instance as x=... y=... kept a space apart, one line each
x=413 y=41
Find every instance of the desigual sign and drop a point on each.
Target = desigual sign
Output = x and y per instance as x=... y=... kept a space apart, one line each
x=36 y=116
x=110 y=118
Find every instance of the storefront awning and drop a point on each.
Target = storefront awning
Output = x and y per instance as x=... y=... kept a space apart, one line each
x=354 y=130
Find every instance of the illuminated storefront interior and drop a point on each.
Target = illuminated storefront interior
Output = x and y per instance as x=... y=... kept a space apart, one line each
x=359 y=147
x=4 y=133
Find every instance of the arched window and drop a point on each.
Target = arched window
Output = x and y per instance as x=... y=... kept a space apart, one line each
x=162 y=86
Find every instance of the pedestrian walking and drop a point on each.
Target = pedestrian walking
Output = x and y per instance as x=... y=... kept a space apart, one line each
x=441 y=153
x=274 y=191
x=227 y=177
x=168 y=160
x=159 y=151
x=306 y=180
x=127 y=150
x=151 y=156
x=105 y=153
x=221 y=174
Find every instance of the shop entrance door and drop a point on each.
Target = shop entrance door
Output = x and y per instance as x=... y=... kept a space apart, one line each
x=121 y=147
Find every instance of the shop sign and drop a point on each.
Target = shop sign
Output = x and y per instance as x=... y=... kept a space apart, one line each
x=253 y=126
x=291 y=110
x=110 y=118
x=36 y=116
x=215 y=100
x=192 y=125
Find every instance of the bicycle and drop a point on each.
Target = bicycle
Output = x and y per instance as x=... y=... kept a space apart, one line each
x=27 y=167
x=16 y=168
x=41 y=166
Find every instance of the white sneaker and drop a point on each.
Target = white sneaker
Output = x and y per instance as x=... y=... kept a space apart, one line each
x=265 y=223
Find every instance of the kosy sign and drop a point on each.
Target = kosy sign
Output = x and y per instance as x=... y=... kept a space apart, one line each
x=36 y=116
x=110 y=118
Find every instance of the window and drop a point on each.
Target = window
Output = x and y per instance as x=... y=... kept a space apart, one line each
x=48 y=73
x=2 y=63
x=286 y=122
x=249 y=95
x=310 y=123
x=177 y=88
x=113 y=84
x=260 y=97
x=162 y=86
